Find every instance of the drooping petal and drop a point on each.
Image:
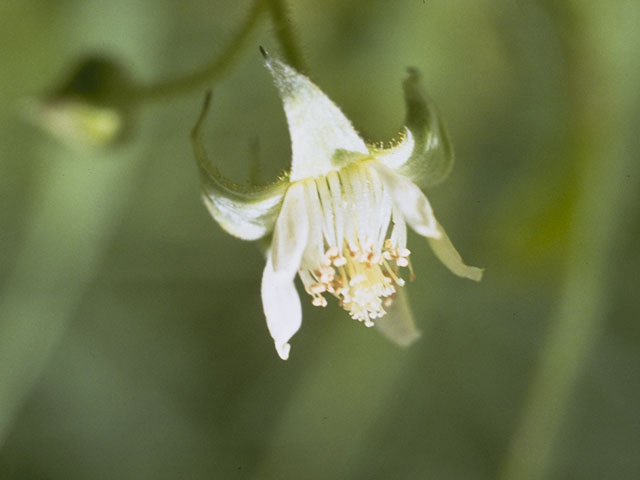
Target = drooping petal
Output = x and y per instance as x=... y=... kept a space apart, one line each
x=398 y=325
x=424 y=153
x=413 y=204
x=281 y=304
x=317 y=127
x=449 y=256
x=280 y=300
x=245 y=212
x=418 y=213
x=291 y=233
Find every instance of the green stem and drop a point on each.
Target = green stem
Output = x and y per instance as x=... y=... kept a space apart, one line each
x=605 y=193
x=284 y=34
x=210 y=72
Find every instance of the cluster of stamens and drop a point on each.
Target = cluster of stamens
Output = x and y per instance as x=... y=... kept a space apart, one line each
x=363 y=279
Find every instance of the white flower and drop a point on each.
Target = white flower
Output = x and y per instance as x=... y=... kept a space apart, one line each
x=339 y=219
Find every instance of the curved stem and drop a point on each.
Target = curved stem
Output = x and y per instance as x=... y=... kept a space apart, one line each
x=210 y=72
x=284 y=34
x=601 y=146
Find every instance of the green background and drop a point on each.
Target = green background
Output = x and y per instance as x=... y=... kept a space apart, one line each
x=132 y=340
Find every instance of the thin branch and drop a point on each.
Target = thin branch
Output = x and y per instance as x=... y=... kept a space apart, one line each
x=285 y=35
x=211 y=72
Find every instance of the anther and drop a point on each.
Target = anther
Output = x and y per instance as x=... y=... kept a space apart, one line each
x=317 y=288
x=319 y=301
x=339 y=261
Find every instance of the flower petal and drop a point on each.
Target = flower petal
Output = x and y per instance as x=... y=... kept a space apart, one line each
x=417 y=211
x=280 y=300
x=245 y=212
x=449 y=256
x=425 y=153
x=281 y=304
x=317 y=127
x=291 y=233
x=413 y=204
x=398 y=325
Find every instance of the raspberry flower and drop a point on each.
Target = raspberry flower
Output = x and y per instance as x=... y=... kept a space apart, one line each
x=338 y=219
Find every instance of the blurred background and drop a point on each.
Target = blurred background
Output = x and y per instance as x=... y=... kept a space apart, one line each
x=132 y=339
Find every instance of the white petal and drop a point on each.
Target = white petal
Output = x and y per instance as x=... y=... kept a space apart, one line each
x=398 y=324
x=317 y=127
x=281 y=305
x=409 y=198
x=291 y=233
x=449 y=256
x=280 y=299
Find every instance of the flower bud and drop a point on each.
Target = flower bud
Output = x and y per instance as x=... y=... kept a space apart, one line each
x=91 y=108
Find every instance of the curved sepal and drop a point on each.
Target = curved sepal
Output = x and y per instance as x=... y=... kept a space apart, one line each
x=317 y=127
x=247 y=212
x=424 y=152
x=449 y=256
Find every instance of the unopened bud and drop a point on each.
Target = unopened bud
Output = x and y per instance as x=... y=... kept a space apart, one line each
x=91 y=108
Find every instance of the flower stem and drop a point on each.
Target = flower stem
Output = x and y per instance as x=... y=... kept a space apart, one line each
x=210 y=73
x=285 y=35
x=606 y=190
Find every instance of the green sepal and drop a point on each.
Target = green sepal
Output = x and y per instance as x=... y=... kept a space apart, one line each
x=424 y=152
x=246 y=211
x=432 y=157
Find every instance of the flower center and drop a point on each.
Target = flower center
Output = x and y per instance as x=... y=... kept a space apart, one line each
x=357 y=243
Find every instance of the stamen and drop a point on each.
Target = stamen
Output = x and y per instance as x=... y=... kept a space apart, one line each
x=339 y=261
x=319 y=301
x=332 y=252
x=317 y=288
x=363 y=282
x=361 y=251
